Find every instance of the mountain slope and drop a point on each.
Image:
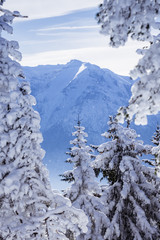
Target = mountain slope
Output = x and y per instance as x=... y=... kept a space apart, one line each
x=64 y=92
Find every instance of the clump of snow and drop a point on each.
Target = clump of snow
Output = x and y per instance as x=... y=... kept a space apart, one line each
x=81 y=69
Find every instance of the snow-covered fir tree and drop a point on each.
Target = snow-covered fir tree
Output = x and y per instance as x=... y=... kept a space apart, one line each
x=29 y=209
x=121 y=19
x=156 y=151
x=156 y=136
x=131 y=201
x=84 y=190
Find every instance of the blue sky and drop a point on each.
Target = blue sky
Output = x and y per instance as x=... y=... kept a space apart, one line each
x=58 y=31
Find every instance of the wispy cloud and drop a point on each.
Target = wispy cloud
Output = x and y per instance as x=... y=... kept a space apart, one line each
x=55 y=31
x=35 y=42
x=59 y=28
x=71 y=31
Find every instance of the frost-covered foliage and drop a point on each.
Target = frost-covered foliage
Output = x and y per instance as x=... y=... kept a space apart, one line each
x=145 y=98
x=136 y=19
x=28 y=207
x=131 y=201
x=156 y=151
x=123 y=18
x=156 y=160
x=63 y=221
x=84 y=191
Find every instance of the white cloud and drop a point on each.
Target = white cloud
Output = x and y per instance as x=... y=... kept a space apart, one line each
x=117 y=60
x=58 y=30
x=67 y=28
x=35 y=42
x=36 y=9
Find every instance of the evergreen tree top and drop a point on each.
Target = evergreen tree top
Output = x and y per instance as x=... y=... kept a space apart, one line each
x=82 y=175
x=122 y=143
x=124 y=137
x=156 y=136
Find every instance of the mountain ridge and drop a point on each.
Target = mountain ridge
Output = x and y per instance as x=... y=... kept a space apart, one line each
x=77 y=88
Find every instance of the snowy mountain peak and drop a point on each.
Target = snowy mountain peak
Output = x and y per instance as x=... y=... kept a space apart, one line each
x=77 y=88
x=81 y=69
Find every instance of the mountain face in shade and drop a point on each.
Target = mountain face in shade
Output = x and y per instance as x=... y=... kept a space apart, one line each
x=77 y=89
